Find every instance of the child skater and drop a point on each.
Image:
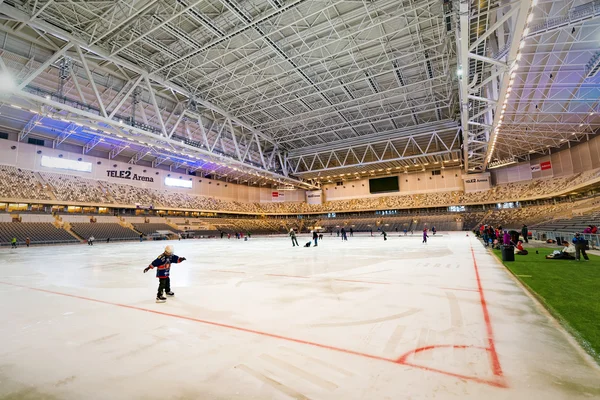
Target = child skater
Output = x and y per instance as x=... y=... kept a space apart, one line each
x=384 y=234
x=163 y=265
x=425 y=236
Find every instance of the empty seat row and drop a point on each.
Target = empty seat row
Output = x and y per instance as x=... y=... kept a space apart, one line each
x=103 y=231
x=37 y=232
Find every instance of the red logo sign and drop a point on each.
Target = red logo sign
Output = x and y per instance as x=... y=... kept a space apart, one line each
x=546 y=165
x=275 y=194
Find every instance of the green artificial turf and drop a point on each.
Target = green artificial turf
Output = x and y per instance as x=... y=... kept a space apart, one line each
x=569 y=289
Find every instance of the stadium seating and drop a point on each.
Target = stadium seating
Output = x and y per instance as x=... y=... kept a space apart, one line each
x=571 y=225
x=514 y=218
x=75 y=188
x=17 y=183
x=152 y=228
x=24 y=184
x=37 y=232
x=102 y=231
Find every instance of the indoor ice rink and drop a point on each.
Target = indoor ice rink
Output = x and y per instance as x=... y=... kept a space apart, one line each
x=299 y=199
x=259 y=319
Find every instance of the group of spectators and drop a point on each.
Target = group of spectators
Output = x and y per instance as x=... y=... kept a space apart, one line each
x=77 y=189
x=495 y=237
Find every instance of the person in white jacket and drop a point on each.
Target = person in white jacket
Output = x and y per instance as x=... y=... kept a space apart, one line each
x=567 y=253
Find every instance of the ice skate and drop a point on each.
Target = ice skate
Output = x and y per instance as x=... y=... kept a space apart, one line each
x=171 y=294
x=161 y=299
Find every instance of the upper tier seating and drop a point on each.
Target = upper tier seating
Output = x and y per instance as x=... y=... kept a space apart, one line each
x=75 y=188
x=16 y=183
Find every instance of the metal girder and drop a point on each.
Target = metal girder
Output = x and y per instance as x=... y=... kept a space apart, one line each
x=32 y=95
x=550 y=101
x=91 y=144
x=483 y=74
x=31 y=124
x=159 y=160
x=126 y=95
x=584 y=12
x=91 y=80
x=139 y=155
x=115 y=151
x=64 y=135
x=398 y=149
x=120 y=62
x=44 y=65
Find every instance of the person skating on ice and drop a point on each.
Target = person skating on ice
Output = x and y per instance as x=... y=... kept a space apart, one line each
x=384 y=234
x=294 y=239
x=163 y=264
x=425 y=236
x=315 y=237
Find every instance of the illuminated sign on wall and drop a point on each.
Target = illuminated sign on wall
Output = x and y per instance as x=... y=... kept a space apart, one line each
x=178 y=183
x=62 y=163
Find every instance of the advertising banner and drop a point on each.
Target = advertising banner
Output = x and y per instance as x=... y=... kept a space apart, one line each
x=477 y=182
x=536 y=168
x=314 y=197
x=278 y=196
x=546 y=165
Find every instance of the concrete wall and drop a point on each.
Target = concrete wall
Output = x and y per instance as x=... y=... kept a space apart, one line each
x=579 y=158
x=420 y=182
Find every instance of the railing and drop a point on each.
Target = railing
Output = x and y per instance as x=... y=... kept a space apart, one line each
x=593 y=239
x=46 y=242
x=577 y=14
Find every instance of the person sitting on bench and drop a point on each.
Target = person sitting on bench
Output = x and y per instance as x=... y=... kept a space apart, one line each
x=567 y=253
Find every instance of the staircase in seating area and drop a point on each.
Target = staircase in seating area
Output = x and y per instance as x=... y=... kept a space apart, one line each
x=487 y=214
x=67 y=227
x=413 y=224
x=174 y=225
x=106 y=193
x=126 y=224
x=44 y=186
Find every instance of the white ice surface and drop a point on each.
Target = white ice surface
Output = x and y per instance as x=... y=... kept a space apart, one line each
x=238 y=330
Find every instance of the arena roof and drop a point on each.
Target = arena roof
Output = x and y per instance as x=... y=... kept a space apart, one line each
x=288 y=91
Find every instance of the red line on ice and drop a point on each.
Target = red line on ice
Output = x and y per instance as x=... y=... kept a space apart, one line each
x=399 y=361
x=496 y=368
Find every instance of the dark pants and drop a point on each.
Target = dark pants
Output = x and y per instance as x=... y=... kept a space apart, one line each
x=561 y=256
x=164 y=284
x=580 y=250
x=315 y=239
x=525 y=237
x=14 y=245
x=295 y=241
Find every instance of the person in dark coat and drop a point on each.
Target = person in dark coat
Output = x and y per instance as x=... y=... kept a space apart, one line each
x=525 y=233
x=315 y=237
x=579 y=243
